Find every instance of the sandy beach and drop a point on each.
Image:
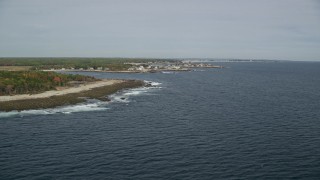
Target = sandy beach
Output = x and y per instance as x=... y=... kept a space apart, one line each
x=80 y=88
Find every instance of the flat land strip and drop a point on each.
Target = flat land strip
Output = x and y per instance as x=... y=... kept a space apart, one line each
x=98 y=90
x=15 y=68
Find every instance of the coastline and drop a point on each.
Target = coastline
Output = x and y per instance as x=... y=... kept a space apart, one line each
x=133 y=72
x=68 y=96
x=46 y=94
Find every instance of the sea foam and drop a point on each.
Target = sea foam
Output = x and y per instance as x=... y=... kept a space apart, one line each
x=124 y=96
x=90 y=105
x=84 y=107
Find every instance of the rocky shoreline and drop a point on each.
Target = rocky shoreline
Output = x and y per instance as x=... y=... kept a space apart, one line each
x=98 y=90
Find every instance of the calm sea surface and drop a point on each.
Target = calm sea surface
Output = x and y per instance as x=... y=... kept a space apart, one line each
x=247 y=121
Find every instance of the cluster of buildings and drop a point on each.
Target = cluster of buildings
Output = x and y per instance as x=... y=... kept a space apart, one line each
x=168 y=66
x=156 y=67
x=149 y=67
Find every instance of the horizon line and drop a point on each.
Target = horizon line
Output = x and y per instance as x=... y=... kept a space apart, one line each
x=174 y=58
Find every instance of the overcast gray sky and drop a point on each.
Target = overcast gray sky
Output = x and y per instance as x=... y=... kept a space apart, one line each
x=264 y=29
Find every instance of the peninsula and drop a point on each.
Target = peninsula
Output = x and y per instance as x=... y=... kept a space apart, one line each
x=23 y=90
x=34 y=83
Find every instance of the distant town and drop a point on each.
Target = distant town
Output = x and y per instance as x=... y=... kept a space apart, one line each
x=145 y=67
x=129 y=65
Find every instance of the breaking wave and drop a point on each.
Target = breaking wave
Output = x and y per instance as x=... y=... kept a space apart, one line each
x=98 y=106
x=198 y=70
x=90 y=105
x=154 y=84
x=168 y=72
x=124 y=96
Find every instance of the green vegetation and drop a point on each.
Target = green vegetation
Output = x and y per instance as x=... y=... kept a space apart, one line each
x=28 y=82
x=54 y=101
x=112 y=64
x=24 y=76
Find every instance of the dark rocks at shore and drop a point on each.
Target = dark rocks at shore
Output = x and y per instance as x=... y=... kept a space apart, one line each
x=99 y=93
x=105 y=99
x=148 y=84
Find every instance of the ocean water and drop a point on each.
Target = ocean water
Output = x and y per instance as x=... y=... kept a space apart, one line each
x=246 y=121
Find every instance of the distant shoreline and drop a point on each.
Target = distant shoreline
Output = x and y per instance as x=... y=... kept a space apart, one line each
x=152 y=71
x=49 y=99
x=145 y=71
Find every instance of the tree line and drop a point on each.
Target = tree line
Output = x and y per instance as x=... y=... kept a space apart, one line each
x=28 y=82
x=77 y=63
